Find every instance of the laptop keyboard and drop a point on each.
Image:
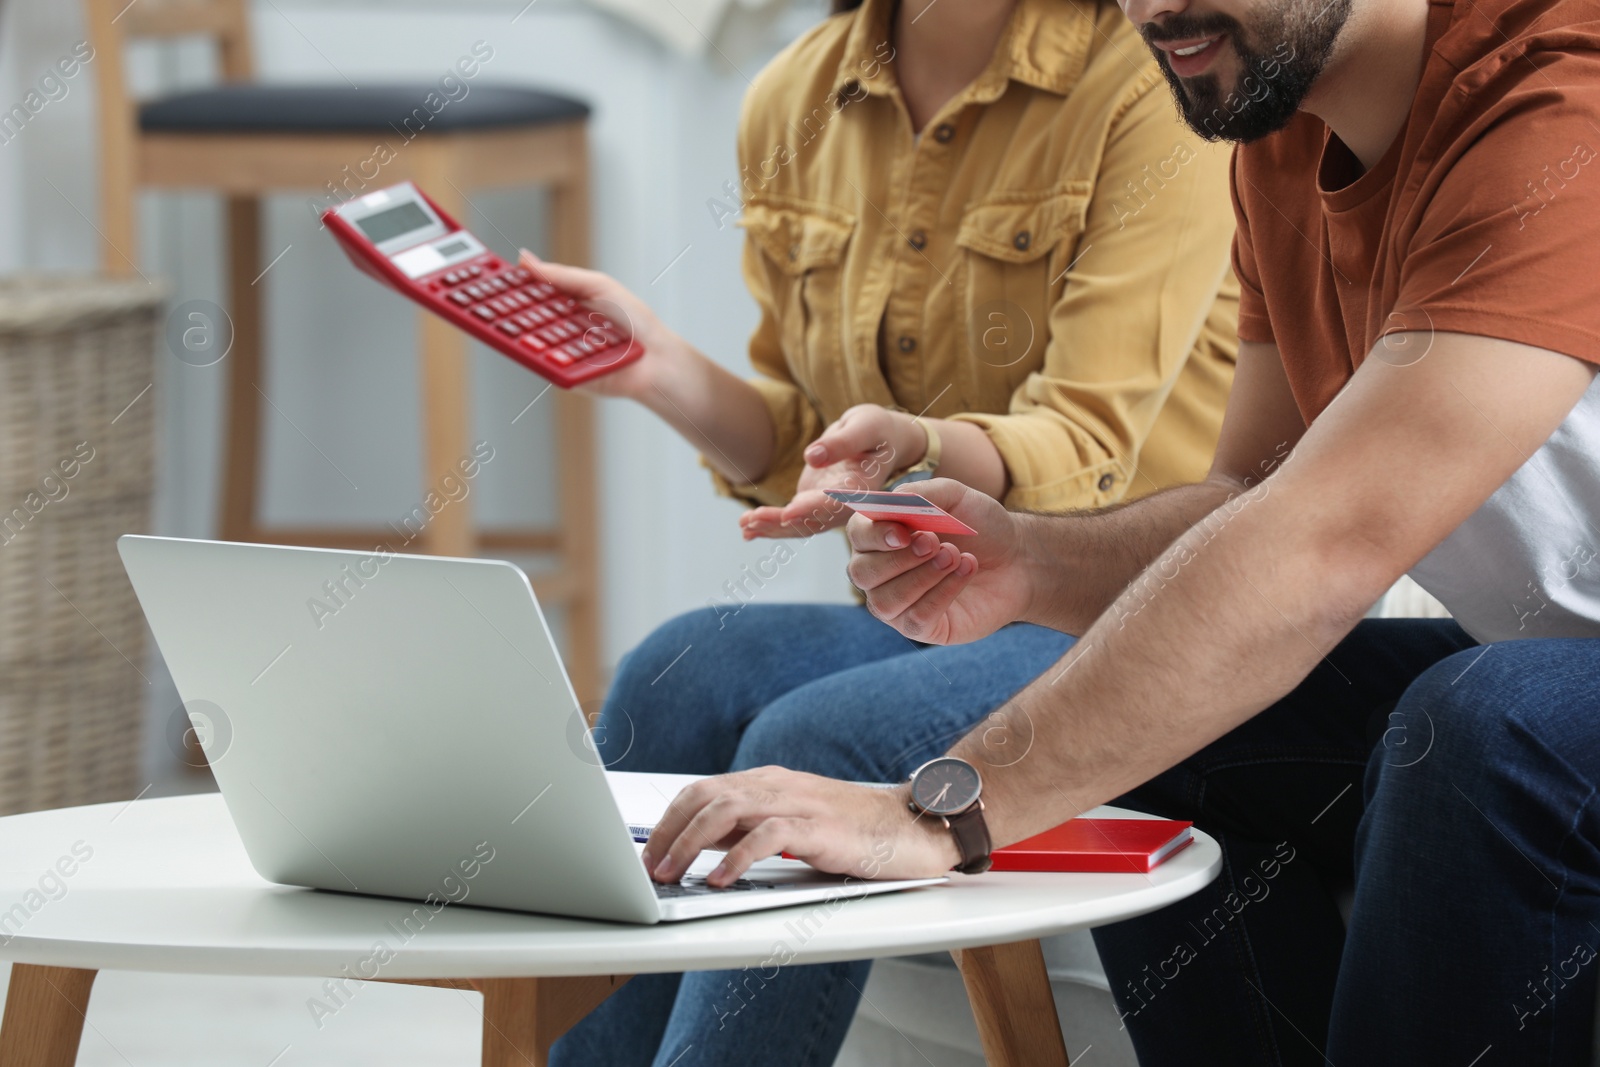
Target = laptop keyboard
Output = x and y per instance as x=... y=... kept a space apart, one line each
x=697 y=887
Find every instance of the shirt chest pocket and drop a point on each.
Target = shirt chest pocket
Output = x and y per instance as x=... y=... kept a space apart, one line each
x=805 y=248
x=1015 y=251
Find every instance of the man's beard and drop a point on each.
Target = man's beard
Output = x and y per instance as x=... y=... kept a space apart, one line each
x=1282 y=56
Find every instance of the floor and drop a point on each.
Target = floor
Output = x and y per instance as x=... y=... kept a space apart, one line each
x=163 y=1020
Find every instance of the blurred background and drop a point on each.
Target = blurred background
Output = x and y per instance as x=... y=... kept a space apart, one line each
x=341 y=435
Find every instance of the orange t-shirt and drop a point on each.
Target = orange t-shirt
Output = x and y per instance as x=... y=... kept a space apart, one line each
x=1483 y=218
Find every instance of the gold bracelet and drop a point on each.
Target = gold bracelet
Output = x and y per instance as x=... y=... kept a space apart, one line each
x=925 y=468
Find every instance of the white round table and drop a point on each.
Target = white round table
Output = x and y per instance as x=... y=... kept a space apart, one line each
x=164 y=885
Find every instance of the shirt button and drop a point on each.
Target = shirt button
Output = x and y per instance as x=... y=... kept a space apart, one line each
x=943 y=132
x=1022 y=240
x=1106 y=482
x=908 y=343
x=918 y=240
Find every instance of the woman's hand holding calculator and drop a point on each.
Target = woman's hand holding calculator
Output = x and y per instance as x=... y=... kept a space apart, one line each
x=718 y=413
x=610 y=298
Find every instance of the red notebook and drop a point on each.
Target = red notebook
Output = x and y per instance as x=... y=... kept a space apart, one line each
x=1106 y=846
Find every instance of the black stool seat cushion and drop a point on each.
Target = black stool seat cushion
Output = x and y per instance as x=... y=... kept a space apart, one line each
x=406 y=109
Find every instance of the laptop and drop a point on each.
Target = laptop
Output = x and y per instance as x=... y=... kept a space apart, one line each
x=402 y=726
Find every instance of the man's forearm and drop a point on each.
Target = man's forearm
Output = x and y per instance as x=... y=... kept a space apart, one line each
x=1240 y=609
x=1252 y=599
x=1085 y=561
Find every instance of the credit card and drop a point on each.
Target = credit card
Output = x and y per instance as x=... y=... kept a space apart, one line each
x=908 y=509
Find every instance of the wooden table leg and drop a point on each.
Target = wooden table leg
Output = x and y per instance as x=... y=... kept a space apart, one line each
x=43 y=1021
x=1011 y=1000
x=523 y=1017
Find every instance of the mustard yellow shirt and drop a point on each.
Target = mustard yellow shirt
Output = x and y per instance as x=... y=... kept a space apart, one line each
x=1048 y=259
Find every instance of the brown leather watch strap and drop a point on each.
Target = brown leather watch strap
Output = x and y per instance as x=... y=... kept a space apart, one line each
x=972 y=839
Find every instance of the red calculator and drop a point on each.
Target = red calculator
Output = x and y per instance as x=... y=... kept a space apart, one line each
x=404 y=240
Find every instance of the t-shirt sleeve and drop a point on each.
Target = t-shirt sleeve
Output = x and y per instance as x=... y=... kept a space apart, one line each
x=1506 y=245
x=1254 y=324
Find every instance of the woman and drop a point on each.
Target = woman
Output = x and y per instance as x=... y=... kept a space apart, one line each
x=982 y=243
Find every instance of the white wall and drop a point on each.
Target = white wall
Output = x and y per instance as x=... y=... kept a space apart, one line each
x=342 y=349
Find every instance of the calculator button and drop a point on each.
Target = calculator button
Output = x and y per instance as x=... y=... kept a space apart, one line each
x=473 y=272
x=498 y=285
x=533 y=342
x=484 y=313
x=510 y=329
x=461 y=298
x=559 y=357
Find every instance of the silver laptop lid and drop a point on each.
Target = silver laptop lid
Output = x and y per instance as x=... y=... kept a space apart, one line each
x=387 y=724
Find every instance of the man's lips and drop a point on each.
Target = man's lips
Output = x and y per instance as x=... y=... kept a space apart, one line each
x=1191 y=58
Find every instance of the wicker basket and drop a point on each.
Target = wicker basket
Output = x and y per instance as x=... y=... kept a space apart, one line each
x=77 y=440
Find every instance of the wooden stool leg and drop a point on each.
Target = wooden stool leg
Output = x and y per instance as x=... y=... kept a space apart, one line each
x=242 y=466
x=43 y=1023
x=446 y=388
x=523 y=1017
x=576 y=444
x=1011 y=999
x=580 y=541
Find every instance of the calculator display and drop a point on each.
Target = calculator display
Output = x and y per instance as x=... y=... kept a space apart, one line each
x=387 y=225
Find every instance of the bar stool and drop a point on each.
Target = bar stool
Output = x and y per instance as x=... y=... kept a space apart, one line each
x=246 y=140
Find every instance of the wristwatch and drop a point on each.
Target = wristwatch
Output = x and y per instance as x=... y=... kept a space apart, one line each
x=929 y=464
x=949 y=790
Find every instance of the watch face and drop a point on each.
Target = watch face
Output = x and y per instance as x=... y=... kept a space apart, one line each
x=946 y=786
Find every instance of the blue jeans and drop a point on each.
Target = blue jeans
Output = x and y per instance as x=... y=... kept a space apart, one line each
x=1454 y=787
x=820 y=688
